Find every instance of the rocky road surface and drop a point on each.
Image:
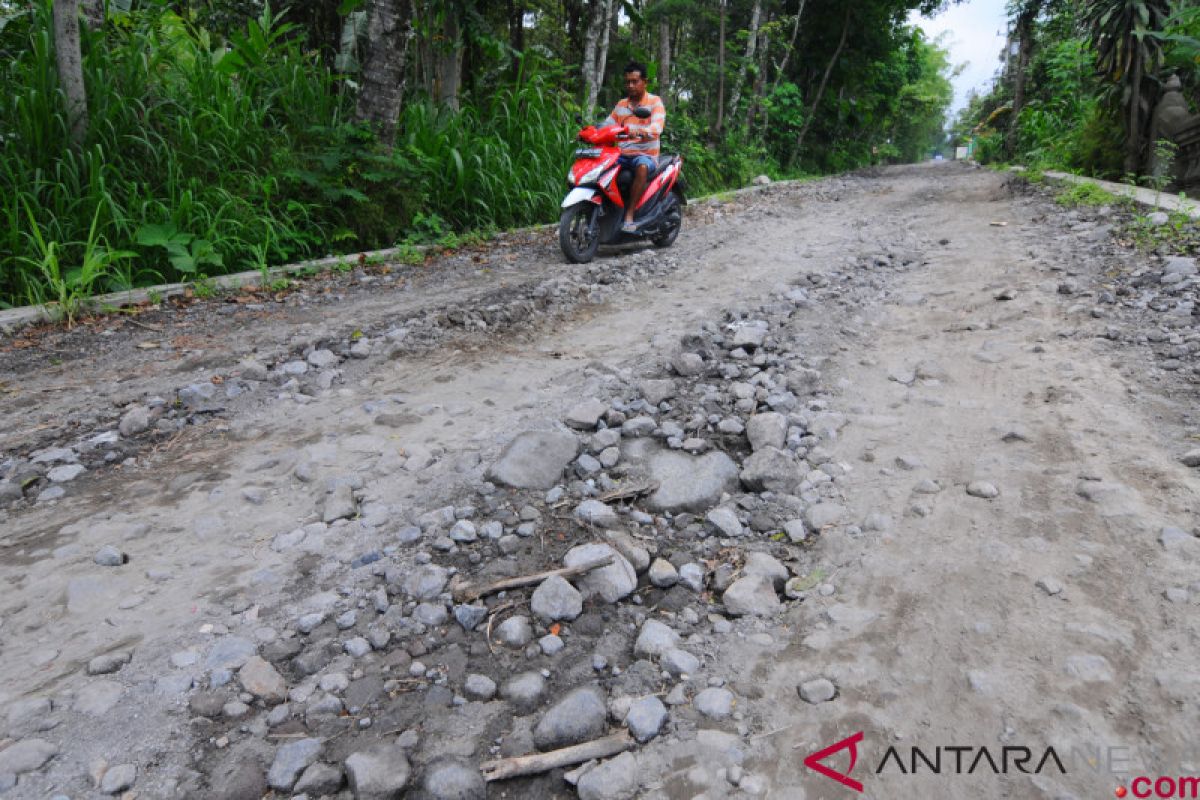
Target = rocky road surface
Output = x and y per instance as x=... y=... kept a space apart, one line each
x=901 y=461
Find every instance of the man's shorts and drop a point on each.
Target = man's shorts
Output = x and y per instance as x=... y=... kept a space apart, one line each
x=631 y=163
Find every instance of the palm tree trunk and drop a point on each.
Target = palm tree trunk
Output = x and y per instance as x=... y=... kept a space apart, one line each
x=69 y=61
x=379 y=99
x=1133 y=144
x=721 y=76
x=597 y=26
x=664 y=57
x=449 y=61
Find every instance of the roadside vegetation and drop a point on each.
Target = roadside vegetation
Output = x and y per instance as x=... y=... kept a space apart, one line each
x=1079 y=87
x=198 y=138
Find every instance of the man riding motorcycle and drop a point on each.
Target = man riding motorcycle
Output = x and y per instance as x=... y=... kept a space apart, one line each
x=639 y=153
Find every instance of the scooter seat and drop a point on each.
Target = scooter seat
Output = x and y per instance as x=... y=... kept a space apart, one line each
x=625 y=176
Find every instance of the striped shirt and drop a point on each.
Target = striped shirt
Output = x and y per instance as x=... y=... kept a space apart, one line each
x=623 y=115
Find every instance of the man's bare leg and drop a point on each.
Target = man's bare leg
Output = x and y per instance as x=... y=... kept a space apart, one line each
x=635 y=191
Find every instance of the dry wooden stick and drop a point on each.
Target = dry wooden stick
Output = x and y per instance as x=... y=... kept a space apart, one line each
x=465 y=594
x=537 y=763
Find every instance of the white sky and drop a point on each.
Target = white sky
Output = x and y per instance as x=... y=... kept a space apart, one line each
x=977 y=31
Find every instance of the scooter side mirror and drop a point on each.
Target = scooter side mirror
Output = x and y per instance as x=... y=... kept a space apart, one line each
x=641 y=112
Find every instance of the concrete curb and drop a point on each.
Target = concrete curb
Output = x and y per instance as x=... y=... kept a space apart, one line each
x=1147 y=197
x=11 y=319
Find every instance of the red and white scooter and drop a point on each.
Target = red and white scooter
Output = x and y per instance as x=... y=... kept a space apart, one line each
x=595 y=207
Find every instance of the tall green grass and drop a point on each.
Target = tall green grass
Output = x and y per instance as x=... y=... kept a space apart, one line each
x=205 y=157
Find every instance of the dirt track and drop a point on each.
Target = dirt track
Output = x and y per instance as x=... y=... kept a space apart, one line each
x=1055 y=614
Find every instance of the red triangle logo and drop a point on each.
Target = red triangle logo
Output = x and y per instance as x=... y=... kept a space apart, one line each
x=813 y=762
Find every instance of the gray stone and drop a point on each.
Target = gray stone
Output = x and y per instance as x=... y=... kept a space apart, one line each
x=340 y=504
x=479 y=687
x=752 y=595
x=230 y=652
x=108 y=663
x=690 y=483
x=822 y=515
x=679 y=662
x=724 y=522
x=551 y=645
x=426 y=582
x=771 y=469
x=378 y=773
x=691 y=575
x=454 y=779
x=767 y=566
x=656 y=391
x=748 y=336
x=262 y=680
x=611 y=583
x=714 y=702
x=654 y=639
x=524 y=691
x=469 y=617
x=464 y=531
x=1180 y=265
x=119 y=778
x=320 y=780
x=796 y=530
x=535 y=460
x=292 y=759
x=820 y=690
x=134 y=421
x=646 y=717
x=586 y=415
x=638 y=426
x=357 y=647
x=982 y=489
x=556 y=599
x=26 y=755
x=197 y=395
x=587 y=465
x=593 y=512
x=109 y=556
x=627 y=546
x=514 y=631
x=1191 y=458
x=614 y=779
x=687 y=364
x=577 y=718
x=1050 y=585
x=767 y=430
x=663 y=574
x=66 y=473
x=322 y=359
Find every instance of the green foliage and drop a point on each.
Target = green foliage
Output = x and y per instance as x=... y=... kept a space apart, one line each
x=1085 y=194
x=221 y=138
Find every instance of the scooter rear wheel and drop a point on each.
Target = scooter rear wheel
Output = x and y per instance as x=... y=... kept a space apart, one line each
x=675 y=214
x=577 y=236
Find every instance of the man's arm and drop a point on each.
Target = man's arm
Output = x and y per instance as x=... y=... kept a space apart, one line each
x=654 y=128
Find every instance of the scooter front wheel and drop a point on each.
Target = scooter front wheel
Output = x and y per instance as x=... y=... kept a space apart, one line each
x=579 y=232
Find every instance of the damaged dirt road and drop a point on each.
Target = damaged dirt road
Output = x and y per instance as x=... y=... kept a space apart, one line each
x=902 y=455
